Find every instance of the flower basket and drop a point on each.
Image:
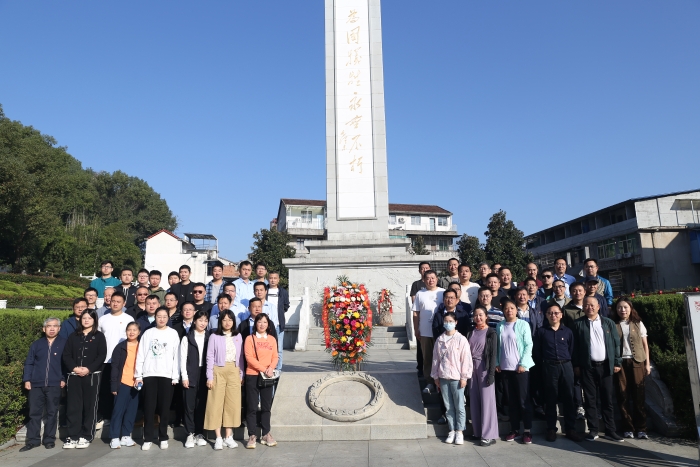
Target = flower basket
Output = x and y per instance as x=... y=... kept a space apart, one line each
x=347 y=324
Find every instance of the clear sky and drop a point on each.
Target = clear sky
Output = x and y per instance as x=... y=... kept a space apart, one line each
x=545 y=109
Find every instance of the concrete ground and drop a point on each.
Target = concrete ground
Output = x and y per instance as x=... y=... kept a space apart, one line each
x=655 y=452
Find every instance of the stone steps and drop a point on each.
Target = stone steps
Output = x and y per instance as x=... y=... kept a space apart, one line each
x=383 y=338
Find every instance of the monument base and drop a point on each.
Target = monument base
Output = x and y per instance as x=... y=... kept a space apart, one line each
x=401 y=416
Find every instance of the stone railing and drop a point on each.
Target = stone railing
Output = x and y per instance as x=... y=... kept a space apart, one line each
x=303 y=312
x=412 y=343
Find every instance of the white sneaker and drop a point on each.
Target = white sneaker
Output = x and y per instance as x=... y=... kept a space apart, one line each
x=115 y=443
x=642 y=435
x=82 y=444
x=164 y=445
x=146 y=446
x=219 y=444
x=127 y=441
x=199 y=439
x=628 y=434
x=450 y=437
x=428 y=388
x=190 y=441
x=69 y=444
x=580 y=413
x=459 y=438
x=230 y=442
x=99 y=425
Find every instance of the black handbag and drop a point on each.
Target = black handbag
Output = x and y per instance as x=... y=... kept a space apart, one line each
x=263 y=381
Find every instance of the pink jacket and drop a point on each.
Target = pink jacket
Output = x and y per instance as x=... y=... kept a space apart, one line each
x=452 y=358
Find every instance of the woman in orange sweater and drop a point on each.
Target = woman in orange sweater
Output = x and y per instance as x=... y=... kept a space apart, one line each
x=261 y=357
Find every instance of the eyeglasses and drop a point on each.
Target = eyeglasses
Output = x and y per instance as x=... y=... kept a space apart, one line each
x=547 y=276
x=198 y=291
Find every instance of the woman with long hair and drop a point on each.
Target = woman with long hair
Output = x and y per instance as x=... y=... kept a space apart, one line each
x=157 y=367
x=261 y=357
x=225 y=364
x=483 y=342
x=193 y=353
x=629 y=382
x=126 y=396
x=83 y=356
x=513 y=361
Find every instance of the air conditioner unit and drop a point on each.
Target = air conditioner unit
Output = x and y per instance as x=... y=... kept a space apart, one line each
x=195 y=254
x=402 y=220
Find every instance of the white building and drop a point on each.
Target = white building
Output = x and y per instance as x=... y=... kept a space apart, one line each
x=166 y=252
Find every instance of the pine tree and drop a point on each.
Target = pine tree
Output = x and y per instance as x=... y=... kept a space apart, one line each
x=271 y=247
x=470 y=251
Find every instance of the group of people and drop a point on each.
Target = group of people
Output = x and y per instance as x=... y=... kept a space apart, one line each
x=204 y=351
x=549 y=341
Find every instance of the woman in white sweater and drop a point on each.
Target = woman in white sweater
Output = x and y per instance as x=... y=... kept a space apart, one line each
x=157 y=367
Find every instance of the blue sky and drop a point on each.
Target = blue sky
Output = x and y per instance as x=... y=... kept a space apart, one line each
x=545 y=109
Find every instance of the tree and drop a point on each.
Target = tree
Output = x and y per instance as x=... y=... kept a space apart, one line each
x=419 y=246
x=470 y=251
x=271 y=247
x=505 y=244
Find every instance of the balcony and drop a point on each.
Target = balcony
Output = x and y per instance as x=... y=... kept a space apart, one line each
x=306 y=227
x=623 y=260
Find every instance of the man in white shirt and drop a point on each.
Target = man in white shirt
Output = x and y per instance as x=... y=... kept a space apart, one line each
x=113 y=326
x=239 y=311
x=244 y=286
x=424 y=306
x=470 y=290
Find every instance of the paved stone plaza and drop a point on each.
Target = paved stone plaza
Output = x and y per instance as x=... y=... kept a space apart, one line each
x=430 y=451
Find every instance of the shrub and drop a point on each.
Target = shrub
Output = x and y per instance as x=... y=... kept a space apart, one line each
x=27 y=278
x=20 y=329
x=18 y=301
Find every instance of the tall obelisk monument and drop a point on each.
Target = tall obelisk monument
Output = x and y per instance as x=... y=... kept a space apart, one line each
x=356 y=186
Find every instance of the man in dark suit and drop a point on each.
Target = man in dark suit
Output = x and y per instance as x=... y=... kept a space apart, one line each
x=280 y=295
x=129 y=290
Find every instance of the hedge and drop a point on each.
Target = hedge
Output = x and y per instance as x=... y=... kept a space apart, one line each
x=31 y=302
x=664 y=318
x=20 y=329
x=28 y=278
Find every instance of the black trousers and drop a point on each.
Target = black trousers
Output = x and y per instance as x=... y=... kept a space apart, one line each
x=419 y=358
x=595 y=379
x=48 y=398
x=157 y=395
x=106 y=404
x=82 y=399
x=536 y=389
x=519 y=401
x=501 y=393
x=558 y=382
x=195 y=404
x=252 y=391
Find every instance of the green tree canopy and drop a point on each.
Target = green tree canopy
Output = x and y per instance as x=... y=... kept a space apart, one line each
x=471 y=252
x=505 y=244
x=56 y=216
x=271 y=247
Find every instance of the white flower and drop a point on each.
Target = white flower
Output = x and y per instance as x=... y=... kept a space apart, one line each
x=332 y=299
x=352 y=299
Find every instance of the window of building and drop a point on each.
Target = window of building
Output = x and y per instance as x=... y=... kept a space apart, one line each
x=606 y=249
x=392 y=219
x=306 y=216
x=628 y=244
x=442 y=221
x=443 y=244
x=300 y=244
x=415 y=220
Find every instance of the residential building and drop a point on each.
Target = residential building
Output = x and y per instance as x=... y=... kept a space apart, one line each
x=305 y=219
x=166 y=252
x=641 y=244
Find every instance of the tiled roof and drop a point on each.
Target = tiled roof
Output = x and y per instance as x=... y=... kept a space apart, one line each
x=164 y=231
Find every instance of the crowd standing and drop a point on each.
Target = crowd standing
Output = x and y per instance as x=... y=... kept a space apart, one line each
x=212 y=353
x=207 y=353
x=552 y=345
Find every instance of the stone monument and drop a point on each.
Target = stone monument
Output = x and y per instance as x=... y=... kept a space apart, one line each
x=358 y=243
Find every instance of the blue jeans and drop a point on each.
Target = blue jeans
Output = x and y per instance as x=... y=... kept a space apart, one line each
x=126 y=402
x=280 y=346
x=453 y=397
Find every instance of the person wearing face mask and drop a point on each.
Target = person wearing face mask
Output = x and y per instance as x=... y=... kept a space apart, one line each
x=483 y=344
x=451 y=369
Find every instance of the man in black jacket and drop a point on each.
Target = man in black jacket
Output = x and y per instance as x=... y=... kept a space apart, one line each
x=199 y=292
x=44 y=378
x=280 y=296
x=126 y=287
x=184 y=288
x=596 y=358
x=451 y=302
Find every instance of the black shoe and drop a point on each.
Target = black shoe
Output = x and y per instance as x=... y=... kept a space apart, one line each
x=50 y=445
x=442 y=421
x=28 y=447
x=612 y=436
x=591 y=436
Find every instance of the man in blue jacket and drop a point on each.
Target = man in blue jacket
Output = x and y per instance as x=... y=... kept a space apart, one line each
x=590 y=268
x=71 y=324
x=44 y=378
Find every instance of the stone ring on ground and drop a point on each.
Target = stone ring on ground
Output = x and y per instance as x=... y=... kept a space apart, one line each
x=346 y=414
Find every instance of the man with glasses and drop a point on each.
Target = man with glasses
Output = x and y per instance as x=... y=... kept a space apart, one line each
x=261 y=273
x=558 y=297
x=590 y=268
x=142 y=278
x=546 y=290
x=90 y=295
x=484 y=270
x=140 y=305
x=553 y=348
x=200 y=304
x=105 y=279
x=560 y=266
